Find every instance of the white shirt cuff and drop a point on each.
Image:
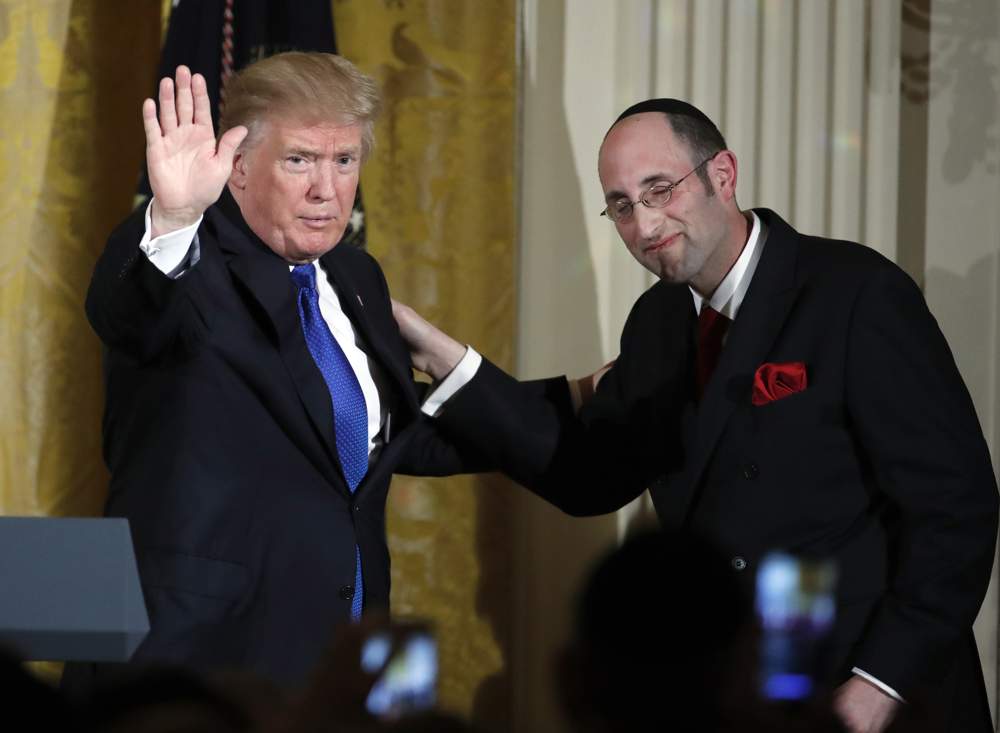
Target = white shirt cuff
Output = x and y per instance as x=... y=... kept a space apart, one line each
x=169 y=251
x=460 y=376
x=878 y=683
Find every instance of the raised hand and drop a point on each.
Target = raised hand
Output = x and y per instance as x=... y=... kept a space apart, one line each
x=187 y=169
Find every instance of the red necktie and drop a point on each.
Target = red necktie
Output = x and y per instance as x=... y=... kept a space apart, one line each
x=712 y=327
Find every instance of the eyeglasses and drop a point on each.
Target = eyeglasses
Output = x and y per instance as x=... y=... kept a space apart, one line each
x=655 y=197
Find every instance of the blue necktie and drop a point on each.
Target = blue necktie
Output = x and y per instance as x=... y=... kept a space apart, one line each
x=350 y=414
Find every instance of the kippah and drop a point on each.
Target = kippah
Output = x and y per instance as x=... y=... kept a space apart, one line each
x=667 y=106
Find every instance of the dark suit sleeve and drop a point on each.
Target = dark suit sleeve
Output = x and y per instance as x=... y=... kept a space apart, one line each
x=133 y=306
x=591 y=463
x=916 y=425
x=431 y=452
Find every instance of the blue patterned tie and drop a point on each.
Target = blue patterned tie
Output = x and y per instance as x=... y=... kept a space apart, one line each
x=350 y=414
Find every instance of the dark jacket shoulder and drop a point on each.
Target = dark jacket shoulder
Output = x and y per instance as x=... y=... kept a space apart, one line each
x=842 y=264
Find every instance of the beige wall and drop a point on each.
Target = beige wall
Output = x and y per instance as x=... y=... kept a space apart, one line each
x=960 y=210
x=808 y=94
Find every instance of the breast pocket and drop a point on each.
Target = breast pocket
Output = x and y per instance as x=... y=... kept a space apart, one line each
x=805 y=409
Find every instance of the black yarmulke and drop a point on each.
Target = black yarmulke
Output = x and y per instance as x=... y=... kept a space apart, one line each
x=667 y=106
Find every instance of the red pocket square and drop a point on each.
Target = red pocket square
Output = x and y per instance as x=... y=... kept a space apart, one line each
x=774 y=381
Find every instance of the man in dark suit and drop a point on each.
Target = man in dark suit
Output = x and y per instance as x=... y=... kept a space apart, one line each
x=774 y=391
x=258 y=393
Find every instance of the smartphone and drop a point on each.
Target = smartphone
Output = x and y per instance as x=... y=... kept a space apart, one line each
x=796 y=608
x=408 y=682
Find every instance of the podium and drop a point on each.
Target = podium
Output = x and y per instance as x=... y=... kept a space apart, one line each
x=69 y=589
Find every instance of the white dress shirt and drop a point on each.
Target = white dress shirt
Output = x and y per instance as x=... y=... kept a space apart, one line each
x=728 y=297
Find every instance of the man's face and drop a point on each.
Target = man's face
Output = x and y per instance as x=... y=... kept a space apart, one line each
x=675 y=242
x=296 y=186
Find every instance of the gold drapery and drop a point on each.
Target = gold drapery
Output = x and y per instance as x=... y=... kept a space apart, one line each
x=72 y=77
x=70 y=149
x=439 y=195
x=439 y=198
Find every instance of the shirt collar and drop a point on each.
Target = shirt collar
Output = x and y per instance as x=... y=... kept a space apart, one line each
x=728 y=297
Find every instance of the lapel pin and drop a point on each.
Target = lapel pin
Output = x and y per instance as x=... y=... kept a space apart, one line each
x=361 y=302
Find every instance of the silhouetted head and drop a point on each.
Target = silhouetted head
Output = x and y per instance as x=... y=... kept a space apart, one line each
x=161 y=700
x=661 y=636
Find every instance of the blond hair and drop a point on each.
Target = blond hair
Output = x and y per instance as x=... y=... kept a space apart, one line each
x=310 y=88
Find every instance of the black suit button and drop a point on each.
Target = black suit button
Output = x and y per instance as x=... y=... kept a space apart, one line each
x=346 y=592
x=739 y=563
x=750 y=471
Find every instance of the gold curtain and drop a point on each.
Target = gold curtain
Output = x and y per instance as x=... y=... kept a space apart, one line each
x=439 y=198
x=72 y=77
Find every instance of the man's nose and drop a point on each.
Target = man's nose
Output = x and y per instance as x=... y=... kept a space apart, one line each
x=322 y=187
x=647 y=220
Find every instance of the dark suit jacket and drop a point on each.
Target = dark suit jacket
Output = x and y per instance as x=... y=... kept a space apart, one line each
x=880 y=463
x=219 y=436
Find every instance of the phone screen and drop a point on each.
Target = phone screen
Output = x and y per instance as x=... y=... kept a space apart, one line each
x=796 y=607
x=409 y=681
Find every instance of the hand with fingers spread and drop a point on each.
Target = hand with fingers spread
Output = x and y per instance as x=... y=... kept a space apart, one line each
x=187 y=168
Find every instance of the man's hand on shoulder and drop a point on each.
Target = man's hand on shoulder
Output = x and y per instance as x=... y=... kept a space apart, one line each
x=187 y=169
x=582 y=390
x=432 y=351
x=863 y=707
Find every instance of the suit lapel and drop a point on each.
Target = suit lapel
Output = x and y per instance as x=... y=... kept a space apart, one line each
x=355 y=305
x=266 y=280
x=761 y=318
x=355 y=302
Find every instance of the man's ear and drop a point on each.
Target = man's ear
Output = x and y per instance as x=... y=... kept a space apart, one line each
x=722 y=172
x=238 y=176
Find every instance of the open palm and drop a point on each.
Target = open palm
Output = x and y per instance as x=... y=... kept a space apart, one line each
x=187 y=168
